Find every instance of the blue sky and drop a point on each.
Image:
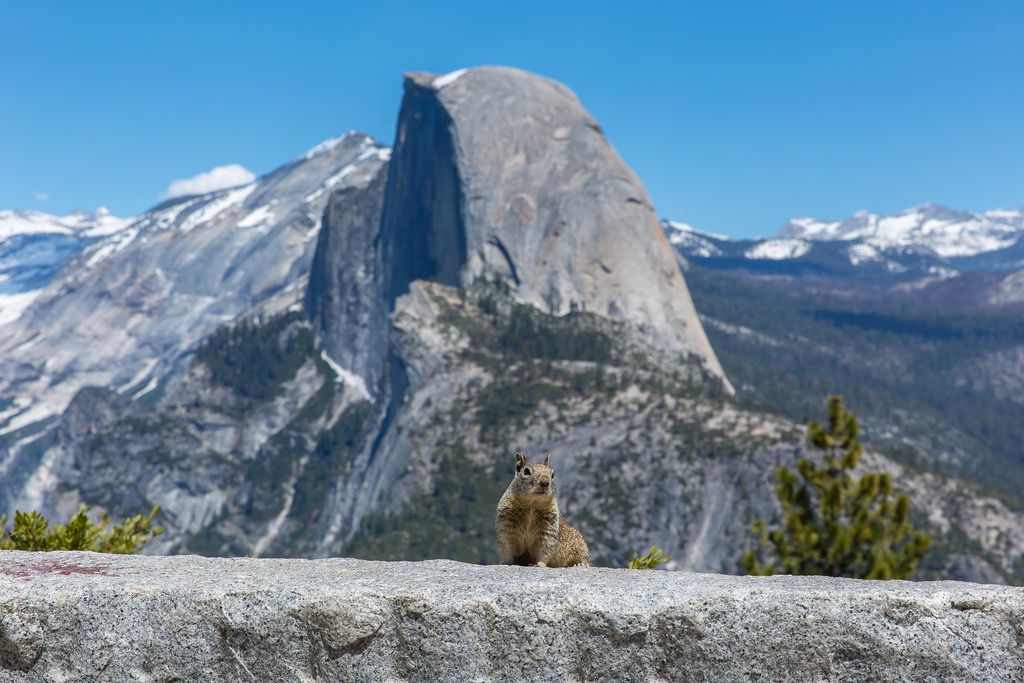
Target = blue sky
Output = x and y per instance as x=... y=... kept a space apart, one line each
x=737 y=116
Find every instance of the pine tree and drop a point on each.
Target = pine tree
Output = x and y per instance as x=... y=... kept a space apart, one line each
x=835 y=524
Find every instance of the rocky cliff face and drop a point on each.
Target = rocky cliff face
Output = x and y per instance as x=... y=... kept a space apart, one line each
x=346 y=297
x=498 y=173
x=84 y=616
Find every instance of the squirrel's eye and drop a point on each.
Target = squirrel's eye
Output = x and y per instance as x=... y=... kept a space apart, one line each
x=526 y=471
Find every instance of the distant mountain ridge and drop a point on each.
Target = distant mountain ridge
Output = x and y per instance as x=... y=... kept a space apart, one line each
x=947 y=232
x=33 y=245
x=81 y=223
x=928 y=241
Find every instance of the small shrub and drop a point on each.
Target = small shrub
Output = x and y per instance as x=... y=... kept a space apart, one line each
x=650 y=560
x=32 y=531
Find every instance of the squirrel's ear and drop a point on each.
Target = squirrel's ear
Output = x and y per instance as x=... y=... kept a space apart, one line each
x=520 y=461
x=546 y=460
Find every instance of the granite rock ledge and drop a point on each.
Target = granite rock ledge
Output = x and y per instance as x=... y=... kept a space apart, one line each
x=84 y=616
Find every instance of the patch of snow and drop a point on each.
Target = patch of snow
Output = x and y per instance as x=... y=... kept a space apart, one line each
x=314 y=231
x=261 y=215
x=30 y=223
x=778 y=249
x=1005 y=214
x=146 y=389
x=164 y=218
x=337 y=177
x=692 y=241
x=18 y=405
x=111 y=245
x=78 y=223
x=447 y=79
x=382 y=153
x=216 y=205
x=1010 y=289
x=898 y=225
x=860 y=253
x=105 y=224
x=349 y=378
x=329 y=183
x=943 y=273
x=684 y=228
x=371 y=150
x=24 y=441
x=13 y=305
x=704 y=250
x=327 y=146
x=739 y=330
x=28 y=344
x=139 y=376
x=315 y=195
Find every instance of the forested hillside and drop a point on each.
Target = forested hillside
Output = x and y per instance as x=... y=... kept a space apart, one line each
x=937 y=389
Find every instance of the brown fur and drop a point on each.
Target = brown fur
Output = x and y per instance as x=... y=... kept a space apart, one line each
x=528 y=527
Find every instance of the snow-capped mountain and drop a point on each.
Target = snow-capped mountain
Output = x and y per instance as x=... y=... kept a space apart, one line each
x=79 y=223
x=125 y=309
x=693 y=242
x=926 y=241
x=703 y=246
x=947 y=232
x=33 y=245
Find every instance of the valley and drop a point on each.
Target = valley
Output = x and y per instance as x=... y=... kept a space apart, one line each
x=342 y=357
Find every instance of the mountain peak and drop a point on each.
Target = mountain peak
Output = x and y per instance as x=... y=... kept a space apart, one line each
x=497 y=174
x=501 y=173
x=331 y=144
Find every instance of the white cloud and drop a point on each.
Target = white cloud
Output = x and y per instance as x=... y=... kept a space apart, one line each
x=41 y=196
x=219 y=178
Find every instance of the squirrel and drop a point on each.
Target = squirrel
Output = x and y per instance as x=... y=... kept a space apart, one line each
x=528 y=527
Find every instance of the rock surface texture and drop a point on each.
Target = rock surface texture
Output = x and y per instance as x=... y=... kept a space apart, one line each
x=84 y=616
